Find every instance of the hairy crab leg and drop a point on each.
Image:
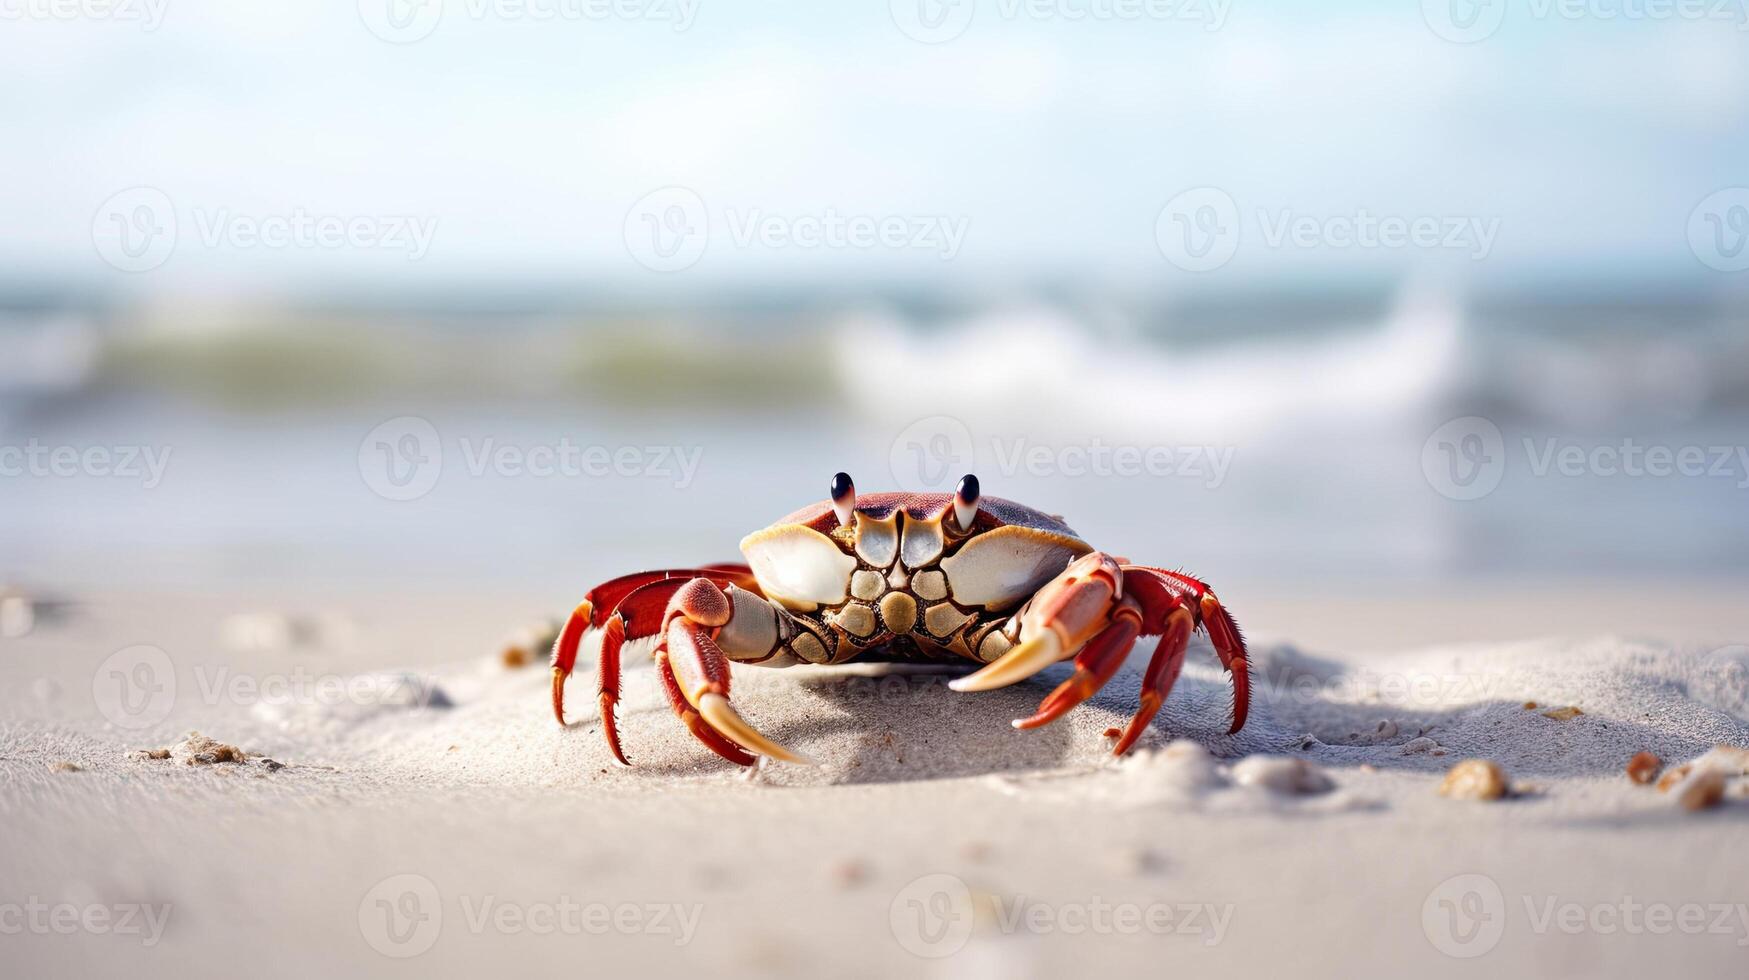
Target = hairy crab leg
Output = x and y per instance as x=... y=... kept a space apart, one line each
x=1095 y=665
x=698 y=609
x=1162 y=673
x=1223 y=633
x=619 y=607
x=601 y=602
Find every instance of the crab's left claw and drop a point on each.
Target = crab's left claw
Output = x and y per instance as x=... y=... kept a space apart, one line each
x=1065 y=614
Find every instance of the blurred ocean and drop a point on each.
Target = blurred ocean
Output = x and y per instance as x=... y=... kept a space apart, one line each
x=1280 y=439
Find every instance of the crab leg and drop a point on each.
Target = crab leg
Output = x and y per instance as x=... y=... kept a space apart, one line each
x=1162 y=673
x=694 y=722
x=607 y=608
x=699 y=608
x=1216 y=621
x=1095 y=665
x=1065 y=614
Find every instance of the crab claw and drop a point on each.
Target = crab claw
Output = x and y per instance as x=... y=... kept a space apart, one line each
x=722 y=716
x=1014 y=666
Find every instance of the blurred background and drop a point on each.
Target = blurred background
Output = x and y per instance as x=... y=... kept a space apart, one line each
x=495 y=296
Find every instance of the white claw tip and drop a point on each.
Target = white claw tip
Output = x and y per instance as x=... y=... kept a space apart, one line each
x=722 y=716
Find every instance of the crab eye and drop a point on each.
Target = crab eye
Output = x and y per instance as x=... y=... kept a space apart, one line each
x=965 y=501
x=843 y=498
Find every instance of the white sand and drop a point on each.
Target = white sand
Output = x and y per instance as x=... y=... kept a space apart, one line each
x=926 y=802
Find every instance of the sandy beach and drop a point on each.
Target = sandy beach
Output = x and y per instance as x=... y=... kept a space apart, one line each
x=408 y=806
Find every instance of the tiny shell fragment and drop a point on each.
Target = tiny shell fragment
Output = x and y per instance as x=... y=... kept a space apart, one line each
x=1474 y=779
x=1563 y=714
x=1643 y=768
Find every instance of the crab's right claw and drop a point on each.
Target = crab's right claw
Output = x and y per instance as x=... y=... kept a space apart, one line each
x=722 y=716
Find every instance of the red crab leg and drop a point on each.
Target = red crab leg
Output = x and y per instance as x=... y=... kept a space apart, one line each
x=1162 y=673
x=637 y=616
x=1062 y=616
x=1095 y=665
x=695 y=724
x=606 y=607
x=1216 y=621
x=697 y=611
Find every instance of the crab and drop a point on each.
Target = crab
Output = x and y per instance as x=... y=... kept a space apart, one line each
x=900 y=577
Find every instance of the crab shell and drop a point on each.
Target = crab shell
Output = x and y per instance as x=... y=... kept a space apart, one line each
x=904 y=566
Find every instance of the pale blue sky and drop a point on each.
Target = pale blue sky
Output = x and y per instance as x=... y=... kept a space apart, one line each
x=1056 y=141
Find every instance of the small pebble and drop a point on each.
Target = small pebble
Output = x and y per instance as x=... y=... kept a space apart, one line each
x=1289 y=777
x=1474 y=779
x=1563 y=714
x=1530 y=705
x=145 y=754
x=1418 y=745
x=1643 y=768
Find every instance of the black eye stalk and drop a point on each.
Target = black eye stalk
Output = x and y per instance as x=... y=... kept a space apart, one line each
x=965 y=501
x=843 y=498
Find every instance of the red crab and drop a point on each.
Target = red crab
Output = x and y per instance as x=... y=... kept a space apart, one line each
x=900 y=576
